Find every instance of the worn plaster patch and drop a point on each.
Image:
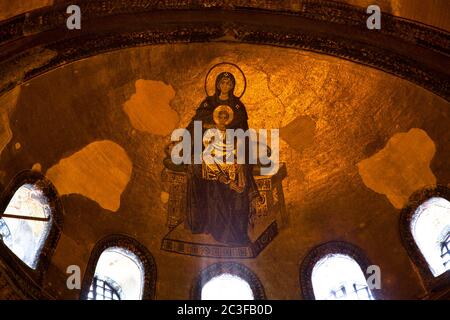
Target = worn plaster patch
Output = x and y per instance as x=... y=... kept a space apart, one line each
x=37 y=167
x=100 y=171
x=401 y=167
x=299 y=133
x=149 y=108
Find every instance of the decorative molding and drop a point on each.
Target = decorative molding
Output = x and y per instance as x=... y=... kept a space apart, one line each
x=220 y=251
x=320 y=10
x=433 y=284
x=132 y=245
x=26 y=279
x=332 y=247
x=407 y=30
x=233 y=268
x=407 y=49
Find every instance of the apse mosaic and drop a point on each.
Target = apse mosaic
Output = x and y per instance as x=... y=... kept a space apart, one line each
x=219 y=206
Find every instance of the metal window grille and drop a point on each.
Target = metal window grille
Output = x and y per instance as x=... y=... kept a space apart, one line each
x=104 y=289
x=445 y=251
x=360 y=291
x=339 y=293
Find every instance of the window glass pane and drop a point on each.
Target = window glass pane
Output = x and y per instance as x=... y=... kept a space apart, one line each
x=26 y=237
x=430 y=227
x=338 y=276
x=227 y=287
x=118 y=275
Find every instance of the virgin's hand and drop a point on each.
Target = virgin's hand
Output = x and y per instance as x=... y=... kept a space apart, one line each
x=223 y=179
x=235 y=187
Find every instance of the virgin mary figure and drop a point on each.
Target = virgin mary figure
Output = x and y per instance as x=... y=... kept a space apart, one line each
x=220 y=196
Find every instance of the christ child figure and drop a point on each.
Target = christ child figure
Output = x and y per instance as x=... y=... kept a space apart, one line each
x=219 y=156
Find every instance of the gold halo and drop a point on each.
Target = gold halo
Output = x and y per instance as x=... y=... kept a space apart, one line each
x=225 y=108
x=210 y=79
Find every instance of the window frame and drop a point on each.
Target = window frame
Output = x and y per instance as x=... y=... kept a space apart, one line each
x=128 y=243
x=30 y=280
x=232 y=268
x=430 y=282
x=333 y=247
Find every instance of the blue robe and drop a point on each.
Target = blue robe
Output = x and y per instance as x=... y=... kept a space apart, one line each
x=213 y=207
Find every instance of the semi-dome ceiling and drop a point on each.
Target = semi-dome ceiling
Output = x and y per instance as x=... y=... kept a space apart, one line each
x=343 y=130
x=363 y=119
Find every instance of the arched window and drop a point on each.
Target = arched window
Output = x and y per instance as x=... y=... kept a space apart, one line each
x=25 y=223
x=30 y=223
x=120 y=268
x=339 y=277
x=430 y=227
x=227 y=287
x=119 y=275
x=335 y=271
x=227 y=281
x=425 y=231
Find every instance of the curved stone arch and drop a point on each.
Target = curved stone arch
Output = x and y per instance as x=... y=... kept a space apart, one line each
x=232 y=268
x=132 y=245
x=406 y=217
x=320 y=251
x=407 y=49
x=27 y=279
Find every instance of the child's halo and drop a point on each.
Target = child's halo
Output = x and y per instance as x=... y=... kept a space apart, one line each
x=223 y=108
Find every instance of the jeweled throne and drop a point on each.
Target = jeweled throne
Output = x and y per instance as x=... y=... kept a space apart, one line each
x=268 y=216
